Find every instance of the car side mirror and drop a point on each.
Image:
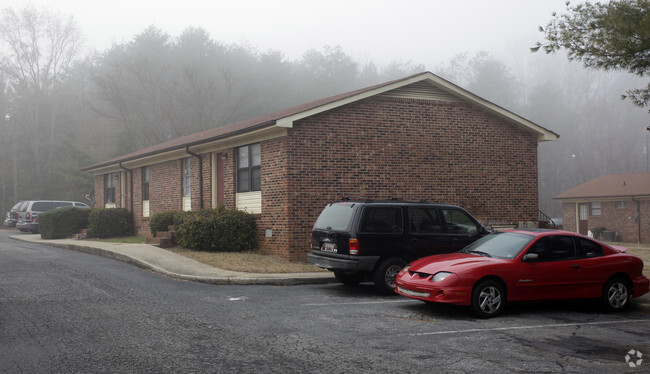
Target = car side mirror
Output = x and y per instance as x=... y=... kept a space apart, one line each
x=530 y=257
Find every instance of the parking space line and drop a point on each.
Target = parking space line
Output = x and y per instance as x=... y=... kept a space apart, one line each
x=526 y=327
x=360 y=303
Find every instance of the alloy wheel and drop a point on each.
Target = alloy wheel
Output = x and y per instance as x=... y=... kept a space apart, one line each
x=617 y=295
x=490 y=300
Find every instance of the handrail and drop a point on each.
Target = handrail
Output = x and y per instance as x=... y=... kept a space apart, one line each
x=544 y=217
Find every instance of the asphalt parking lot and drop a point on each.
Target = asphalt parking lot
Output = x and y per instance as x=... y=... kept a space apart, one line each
x=568 y=336
x=56 y=302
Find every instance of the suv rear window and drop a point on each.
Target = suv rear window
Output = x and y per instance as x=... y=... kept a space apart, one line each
x=336 y=217
x=382 y=219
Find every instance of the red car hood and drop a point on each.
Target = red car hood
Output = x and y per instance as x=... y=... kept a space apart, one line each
x=452 y=262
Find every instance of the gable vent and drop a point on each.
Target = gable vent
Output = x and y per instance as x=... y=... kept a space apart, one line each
x=422 y=91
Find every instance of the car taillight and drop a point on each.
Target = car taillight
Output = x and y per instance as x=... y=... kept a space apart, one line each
x=28 y=216
x=354 y=246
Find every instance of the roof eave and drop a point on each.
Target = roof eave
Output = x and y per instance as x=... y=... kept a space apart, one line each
x=173 y=149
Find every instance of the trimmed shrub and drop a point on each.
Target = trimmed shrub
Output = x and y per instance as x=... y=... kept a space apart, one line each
x=62 y=222
x=161 y=221
x=110 y=222
x=218 y=230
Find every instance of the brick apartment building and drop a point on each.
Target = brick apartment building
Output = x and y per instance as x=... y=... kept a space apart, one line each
x=417 y=137
x=614 y=207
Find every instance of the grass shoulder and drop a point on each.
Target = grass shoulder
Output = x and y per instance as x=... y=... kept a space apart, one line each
x=251 y=262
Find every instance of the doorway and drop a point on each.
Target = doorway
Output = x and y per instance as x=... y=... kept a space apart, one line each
x=583 y=223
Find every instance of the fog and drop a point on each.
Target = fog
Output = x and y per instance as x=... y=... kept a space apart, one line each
x=133 y=77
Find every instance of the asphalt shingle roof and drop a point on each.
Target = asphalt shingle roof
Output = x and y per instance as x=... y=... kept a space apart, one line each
x=611 y=185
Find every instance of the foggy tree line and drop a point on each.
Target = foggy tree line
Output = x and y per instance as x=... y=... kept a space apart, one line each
x=68 y=111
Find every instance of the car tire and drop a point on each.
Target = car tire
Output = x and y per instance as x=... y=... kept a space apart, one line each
x=488 y=299
x=349 y=279
x=616 y=294
x=385 y=274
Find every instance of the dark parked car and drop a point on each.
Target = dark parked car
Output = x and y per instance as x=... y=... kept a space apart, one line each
x=29 y=211
x=525 y=265
x=374 y=240
x=12 y=215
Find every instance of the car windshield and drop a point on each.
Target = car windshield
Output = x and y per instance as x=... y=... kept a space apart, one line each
x=506 y=245
x=337 y=216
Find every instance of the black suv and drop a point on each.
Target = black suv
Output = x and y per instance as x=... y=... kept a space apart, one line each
x=369 y=239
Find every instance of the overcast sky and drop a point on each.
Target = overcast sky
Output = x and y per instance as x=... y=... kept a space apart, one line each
x=428 y=32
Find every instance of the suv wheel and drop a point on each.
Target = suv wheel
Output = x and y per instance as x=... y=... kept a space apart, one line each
x=385 y=274
x=349 y=279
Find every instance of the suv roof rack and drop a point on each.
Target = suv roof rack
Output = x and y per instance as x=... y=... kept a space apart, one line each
x=399 y=199
x=410 y=199
x=355 y=198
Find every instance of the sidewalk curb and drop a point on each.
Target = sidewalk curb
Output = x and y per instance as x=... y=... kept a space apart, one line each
x=284 y=279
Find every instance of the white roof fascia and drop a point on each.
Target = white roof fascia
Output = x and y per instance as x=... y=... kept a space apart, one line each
x=180 y=152
x=542 y=134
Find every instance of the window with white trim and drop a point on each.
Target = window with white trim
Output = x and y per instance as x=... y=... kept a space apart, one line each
x=187 y=184
x=249 y=172
x=187 y=177
x=595 y=209
x=145 y=192
x=145 y=183
x=109 y=193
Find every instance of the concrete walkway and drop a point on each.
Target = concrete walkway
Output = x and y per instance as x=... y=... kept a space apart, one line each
x=177 y=266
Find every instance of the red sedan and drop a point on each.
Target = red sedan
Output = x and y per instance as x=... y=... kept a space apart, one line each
x=524 y=265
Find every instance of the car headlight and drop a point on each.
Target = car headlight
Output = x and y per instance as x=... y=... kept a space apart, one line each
x=404 y=270
x=440 y=276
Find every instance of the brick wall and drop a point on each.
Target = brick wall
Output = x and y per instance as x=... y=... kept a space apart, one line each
x=276 y=211
x=621 y=220
x=383 y=148
x=569 y=217
x=99 y=191
x=229 y=178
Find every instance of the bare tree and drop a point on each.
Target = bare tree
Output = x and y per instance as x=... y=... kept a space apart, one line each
x=37 y=51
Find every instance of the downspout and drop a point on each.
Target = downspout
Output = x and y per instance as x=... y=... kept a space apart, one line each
x=187 y=150
x=638 y=219
x=130 y=173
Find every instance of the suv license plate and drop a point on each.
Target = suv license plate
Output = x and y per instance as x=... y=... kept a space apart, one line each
x=328 y=247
